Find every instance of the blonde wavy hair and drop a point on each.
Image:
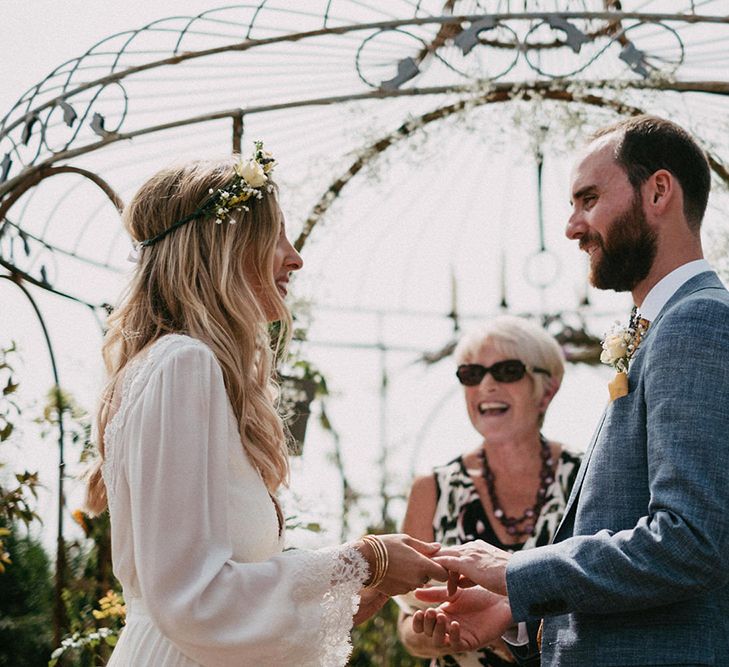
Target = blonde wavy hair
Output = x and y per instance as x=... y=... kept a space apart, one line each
x=213 y=282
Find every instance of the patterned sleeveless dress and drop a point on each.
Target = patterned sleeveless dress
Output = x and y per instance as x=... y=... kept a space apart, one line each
x=460 y=517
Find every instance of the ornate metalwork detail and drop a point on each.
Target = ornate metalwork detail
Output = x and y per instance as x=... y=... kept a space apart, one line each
x=468 y=38
x=544 y=35
x=406 y=70
x=560 y=51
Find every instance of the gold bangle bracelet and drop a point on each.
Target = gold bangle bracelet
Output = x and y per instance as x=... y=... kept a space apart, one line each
x=385 y=558
x=381 y=560
x=378 y=571
x=374 y=565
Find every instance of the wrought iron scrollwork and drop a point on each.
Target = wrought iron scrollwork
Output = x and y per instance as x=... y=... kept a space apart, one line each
x=575 y=43
x=566 y=50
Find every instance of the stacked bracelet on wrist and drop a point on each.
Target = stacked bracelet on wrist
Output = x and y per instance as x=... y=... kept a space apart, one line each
x=382 y=559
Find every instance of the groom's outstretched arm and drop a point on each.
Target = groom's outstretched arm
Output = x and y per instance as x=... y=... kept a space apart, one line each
x=678 y=549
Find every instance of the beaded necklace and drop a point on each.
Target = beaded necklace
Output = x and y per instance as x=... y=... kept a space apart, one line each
x=529 y=518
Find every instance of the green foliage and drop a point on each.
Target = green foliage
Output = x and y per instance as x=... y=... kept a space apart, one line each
x=16 y=500
x=294 y=522
x=76 y=420
x=305 y=370
x=25 y=579
x=96 y=631
x=94 y=609
x=90 y=634
x=8 y=407
x=25 y=604
x=375 y=642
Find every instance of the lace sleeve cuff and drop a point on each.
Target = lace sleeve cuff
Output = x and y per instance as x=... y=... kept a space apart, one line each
x=336 y=577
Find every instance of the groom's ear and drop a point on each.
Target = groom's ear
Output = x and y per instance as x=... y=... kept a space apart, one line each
x=660 y=194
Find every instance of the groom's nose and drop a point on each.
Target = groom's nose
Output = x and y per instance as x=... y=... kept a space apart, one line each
x=576 y=226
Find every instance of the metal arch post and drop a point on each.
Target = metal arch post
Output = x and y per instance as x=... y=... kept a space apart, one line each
x=384 y=397
x=58 y=610
x=238 y=128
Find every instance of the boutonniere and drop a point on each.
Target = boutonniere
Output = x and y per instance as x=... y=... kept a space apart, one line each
x=618 y=347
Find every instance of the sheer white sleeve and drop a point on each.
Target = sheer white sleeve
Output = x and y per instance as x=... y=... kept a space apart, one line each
x=294 y=608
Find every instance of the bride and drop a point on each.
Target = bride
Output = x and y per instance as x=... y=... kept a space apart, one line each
x=192 y=450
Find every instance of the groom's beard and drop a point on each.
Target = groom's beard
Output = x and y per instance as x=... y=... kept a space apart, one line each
x=625 y=256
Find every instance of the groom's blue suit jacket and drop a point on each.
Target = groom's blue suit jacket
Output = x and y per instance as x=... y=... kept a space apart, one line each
x=638 y=573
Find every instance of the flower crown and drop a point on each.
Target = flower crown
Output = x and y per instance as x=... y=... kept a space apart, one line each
x=250 y=180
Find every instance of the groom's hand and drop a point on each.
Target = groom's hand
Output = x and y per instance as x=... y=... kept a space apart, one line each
x=476 y=562
x=466 y=621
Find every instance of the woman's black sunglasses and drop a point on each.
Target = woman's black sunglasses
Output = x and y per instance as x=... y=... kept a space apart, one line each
x=511 y=370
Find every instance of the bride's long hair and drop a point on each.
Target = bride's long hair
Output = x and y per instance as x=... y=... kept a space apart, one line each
x=213 y=282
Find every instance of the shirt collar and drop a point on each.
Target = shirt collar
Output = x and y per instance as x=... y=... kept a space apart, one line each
x=667 y=286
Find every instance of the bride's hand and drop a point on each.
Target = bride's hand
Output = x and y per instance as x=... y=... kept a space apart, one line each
x=370 y=602
x=410 y=564
x=470 y=619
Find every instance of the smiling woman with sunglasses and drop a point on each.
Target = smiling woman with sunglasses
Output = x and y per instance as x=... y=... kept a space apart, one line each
x=510 y=490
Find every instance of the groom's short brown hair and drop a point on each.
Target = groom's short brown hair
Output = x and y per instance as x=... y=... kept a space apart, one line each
x=646 y=144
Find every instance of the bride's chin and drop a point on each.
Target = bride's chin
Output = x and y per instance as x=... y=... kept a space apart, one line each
x=273 y=311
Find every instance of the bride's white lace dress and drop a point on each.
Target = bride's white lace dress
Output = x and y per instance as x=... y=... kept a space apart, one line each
x=195 y=536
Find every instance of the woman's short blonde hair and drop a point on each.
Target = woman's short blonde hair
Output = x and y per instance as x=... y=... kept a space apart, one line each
x=517 y=338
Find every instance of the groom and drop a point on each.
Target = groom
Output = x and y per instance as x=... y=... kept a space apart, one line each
x=638 y=573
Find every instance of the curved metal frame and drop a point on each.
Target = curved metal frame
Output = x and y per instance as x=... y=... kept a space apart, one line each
x=499 y=95
x=469 y=37
x=464 y=31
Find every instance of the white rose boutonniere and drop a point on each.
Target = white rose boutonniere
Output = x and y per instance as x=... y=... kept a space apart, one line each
x=618 y=347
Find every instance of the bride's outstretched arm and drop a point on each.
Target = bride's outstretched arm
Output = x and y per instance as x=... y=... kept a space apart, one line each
x=294 y=608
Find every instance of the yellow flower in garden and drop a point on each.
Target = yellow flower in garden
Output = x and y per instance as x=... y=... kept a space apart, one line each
x=78 y=517
x=112 y=606
x=4 y=555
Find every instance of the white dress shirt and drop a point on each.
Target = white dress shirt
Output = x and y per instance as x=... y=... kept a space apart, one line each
x=667 y=286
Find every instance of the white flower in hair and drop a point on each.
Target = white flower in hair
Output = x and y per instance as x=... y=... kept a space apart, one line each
x=252 y=173
x=248 y=182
